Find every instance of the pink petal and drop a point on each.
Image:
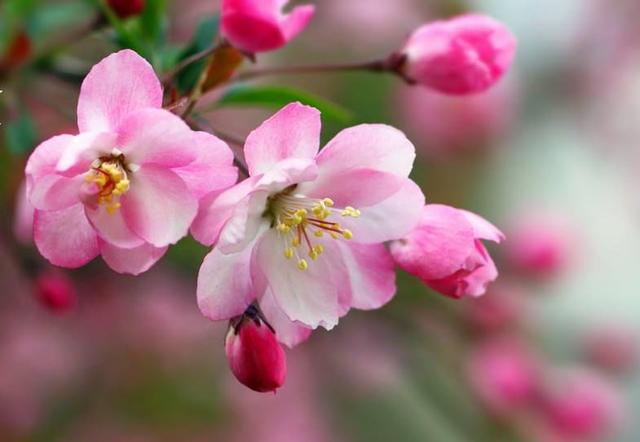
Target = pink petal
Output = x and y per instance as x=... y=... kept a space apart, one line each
x=158 y=207
x=224 y=284
x=372 y=274
x=132 y=261
x=479 y=279
x=252 y=33
x=112 y=228
x=293 y=132
x=156 y=136
x=216 y=209
x=65 y=237
x=117 y=86
x=54 y=192
x=298 y=19
x=244 y=223
x=359 y=188
x=45 y=157
x=83 y=150
x=213 y=170
x=286 y=173
x=391 y=219
x=483 y=229
x=288 y=332
x=23 y=218
x=439 y=246
x=310 y=296
x=367 y=146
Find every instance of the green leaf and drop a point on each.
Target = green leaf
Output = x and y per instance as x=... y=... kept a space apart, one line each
x=203 y=38
x=20 y=134
x=47 y=19
x=275 y=97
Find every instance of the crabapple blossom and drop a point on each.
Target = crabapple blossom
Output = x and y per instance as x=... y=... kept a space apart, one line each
x=446 y=253
x=463 y=55
x=255 y=356
x=260 y=25
x=129 y=184
x=304 y=233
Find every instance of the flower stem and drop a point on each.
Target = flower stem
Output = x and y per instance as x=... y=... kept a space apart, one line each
x=170 y=76
x=371 y=66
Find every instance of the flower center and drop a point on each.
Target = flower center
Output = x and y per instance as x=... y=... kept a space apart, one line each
x=302 y=221
x=109 y=177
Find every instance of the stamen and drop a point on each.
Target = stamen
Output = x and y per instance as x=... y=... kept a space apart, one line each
x=110 y=178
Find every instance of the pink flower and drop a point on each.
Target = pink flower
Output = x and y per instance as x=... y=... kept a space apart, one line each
x=303 y=234
x=613 y=347
x=23 y=216
x=255 y=357
x=581 y=404
x=127 y=8
x=504 y=306
x=446 y=253
x=259 y=25
x=56 y=291
x=128 y=185
x=463 y=55
x=503 y=374
x=539 y=244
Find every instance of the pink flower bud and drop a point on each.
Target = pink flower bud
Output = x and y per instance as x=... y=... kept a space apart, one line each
x=612 y=348
x=463 y=55
x=259 y=25
x=446 y=253
x=539 y=244
x=502 y=307
x=503 y=374
x=56 y=291
x=581 y=404
x=127 y=8
x=255 y=356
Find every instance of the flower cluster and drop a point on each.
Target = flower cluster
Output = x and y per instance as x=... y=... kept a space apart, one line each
x=307 y=235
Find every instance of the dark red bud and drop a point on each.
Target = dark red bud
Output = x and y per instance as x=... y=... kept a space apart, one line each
x=17 y=52
x=56 y=291
x=255 y=356
x=127 y=8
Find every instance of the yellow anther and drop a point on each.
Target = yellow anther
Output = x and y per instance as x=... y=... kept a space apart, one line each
x=122 y=186
x=302 y=264
x=288 y=253
x=283 y=228
x=334 y=235
x=318 y=249
x=295 y=242
x=313 y=254
x=350 y=211
x=328 y=202
x=346 y=233
x=318 y=233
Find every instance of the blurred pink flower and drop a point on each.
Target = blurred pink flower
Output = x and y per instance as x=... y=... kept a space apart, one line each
x=503 y=306
x=539 y=244
x=126 y=8
x=463 y=55
x=448 y=125
x=259 y=25
x=23 y=216
x=446 y=253
x=503 y=374
x=129 y=153
x=580 y=404
x=255 y=356
x=612 y=347
x=297 y=203
x=56 y=291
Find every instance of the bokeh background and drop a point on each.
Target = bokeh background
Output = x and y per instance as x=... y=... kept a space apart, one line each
x=551 y=155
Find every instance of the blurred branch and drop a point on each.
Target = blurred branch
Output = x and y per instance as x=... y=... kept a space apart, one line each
x=371 y=66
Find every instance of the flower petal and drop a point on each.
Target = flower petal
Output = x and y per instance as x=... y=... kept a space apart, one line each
x=112 y=228
x=65 y=237
x=483 y=229
x=244 y=223
x=54 y=192
x=158 y=207
x=309 y=296
x=372 y=274
x=133 y=261
x=391 y=219
x=120 y=84
x=213 y=170
x=225 y=289
x=216 y=209
x=83 y=150
x=295 y=22
x=45 y=157
x=288 y=332
x=293 y=132
x=367 y=146
x=156 y=136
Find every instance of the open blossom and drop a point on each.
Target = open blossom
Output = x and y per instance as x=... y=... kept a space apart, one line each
x=255 y=356
x=128 y=185
x=463 y=55
x=304 y=233
x=260 y=25
x=446 y=253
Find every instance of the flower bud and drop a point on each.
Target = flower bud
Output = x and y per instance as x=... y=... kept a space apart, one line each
x=259 y=25
x=17 y=52
x=255 y=356
x=446 y=253
x=463 y=55
x=56 y=291
x=127 y=8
